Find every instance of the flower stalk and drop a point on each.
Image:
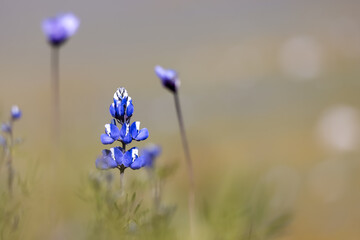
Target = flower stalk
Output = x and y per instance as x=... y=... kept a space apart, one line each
x=55 y=90
x=8 y=146
x=169 y=79
x=191 y=198
x=121 y=109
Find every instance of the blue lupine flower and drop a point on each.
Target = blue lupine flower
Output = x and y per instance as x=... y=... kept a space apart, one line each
x=112 y=133
x=169 y=78
x=15 y=112
x=122 y=110
x=137 y=133
x=6 y=127
x=60 y=28
x=150 y=153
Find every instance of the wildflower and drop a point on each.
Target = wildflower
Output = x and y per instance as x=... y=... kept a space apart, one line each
x=60 y=28
x=169 y=78
x=9 y=142
x=122 y=110
x=15 y=112
x=6 y=127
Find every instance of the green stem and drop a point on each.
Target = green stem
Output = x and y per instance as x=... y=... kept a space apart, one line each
x=191 y=198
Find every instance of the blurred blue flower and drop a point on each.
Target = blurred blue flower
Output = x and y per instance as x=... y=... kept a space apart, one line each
x=106 y=160
x=60 y=28
x=15 y=112
x=169 y=78
x=137 y=133
x=149 y=154
x=112 y=133
x=6 y=127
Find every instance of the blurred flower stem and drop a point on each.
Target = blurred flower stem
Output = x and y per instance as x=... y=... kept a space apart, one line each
x=191 y=197
x=9 y=162
x=55 y=90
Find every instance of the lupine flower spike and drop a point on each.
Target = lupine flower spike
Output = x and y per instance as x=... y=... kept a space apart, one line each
x=170 y=80
x=120 y=130
x=57 y=31
x=8 y=143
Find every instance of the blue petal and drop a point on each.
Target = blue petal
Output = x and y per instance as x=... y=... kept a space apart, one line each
x=55 y=33
x=122 y=106
x=69 y=22
x=130 y=109
x=138 y=163
x=106 y=139
x=112 y=110
x=130 y=156
x=114 y=132
x=123 y=131
x=127 y=139
x=171 y=74
x=143 y=134
x=127 y=159
x=125 y=134
x=134 y=129
x=160 y=72
x=118 y=109
x=118 y=154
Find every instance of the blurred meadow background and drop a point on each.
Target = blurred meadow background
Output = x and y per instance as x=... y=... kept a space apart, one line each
x=270 y=98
